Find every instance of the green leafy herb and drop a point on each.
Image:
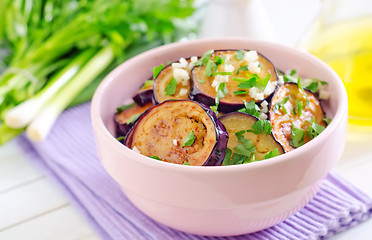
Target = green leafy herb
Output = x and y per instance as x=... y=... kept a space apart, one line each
x=239 y=55
x=201 y=81
x=186 y=163
x=247 y=148
x=280 y=105
x=327 y=120
x=272 y=154
x=313 y=86
x=314 y=129
x=133 y=118
x=210 y=68
x=299 y=105
x=261 y=126
x=121 y=138
x=170 y=89
x=218 y=60
x=214 y=109
x=238 y=158
x=302 y=91
x=251 y=159
x=125 y=107
x=226 y=160
x=189 y=140
x=297 y=137
x=240 y=92
x=148 y=83
x=250 y=108
x=221 y=92
x=157 y=70
x=242 y=68
x=221 y=73
x=205 y=58
x=245 y=83
x=293 y=72
x=262 y=82
x=155 y=157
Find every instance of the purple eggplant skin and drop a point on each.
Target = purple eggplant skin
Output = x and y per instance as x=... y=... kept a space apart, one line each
x=217 y=153
x=143 y=97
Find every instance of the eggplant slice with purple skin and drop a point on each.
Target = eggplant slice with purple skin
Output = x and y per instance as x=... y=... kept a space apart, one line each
x=145 y=94
x=173 y=81
x=164 y=132
x=257 y=143
x=248 y=76
x=294 y=107
x=126 y=115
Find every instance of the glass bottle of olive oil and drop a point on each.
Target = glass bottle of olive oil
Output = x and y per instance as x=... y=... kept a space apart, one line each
x=345 y=43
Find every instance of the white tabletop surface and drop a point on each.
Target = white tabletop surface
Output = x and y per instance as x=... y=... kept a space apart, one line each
x=33 y=207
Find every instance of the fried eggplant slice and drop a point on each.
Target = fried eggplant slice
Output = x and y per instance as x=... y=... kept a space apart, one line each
x=126 y=115
x=173 y=82
x=179 y=131
x=296 y=116
x=145 y=94
x=250 y=139
x=248 y=76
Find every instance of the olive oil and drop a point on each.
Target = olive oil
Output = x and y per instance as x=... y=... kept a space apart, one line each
x=347 y=48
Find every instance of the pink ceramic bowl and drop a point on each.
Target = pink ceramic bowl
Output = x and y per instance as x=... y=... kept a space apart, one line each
x=221 y=200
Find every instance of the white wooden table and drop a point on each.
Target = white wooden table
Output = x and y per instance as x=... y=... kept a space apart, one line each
x=33 y=207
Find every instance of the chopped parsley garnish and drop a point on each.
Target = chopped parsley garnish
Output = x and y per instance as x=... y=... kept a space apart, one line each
x=314 y=129
x=297 y=137
x=226 y=160
x=155 y=157
x=214 y=109
x=327 y=120
x=221 y=92
x=261 y=126
x=170 y=89
x=186 y=163
x=262 y=82
x=250 y=108
x=299 y=105
x=272 y=154
x=221 y=73
x=313 y=86
x=293 y=72
x=156 y=70
x=242 y=68
x=189 y=140
x=204 y=59
x=219 y=60
x=238 y=159
x=251 y=159
x=239 y=55
x=148 y=83
x=133 y=118
x=210 y=68
x=240 y=92
x=302 y=91
x=247 y=148
x=289 y=78
x=280 y=105
x=125 y=107
x=121 y=138
x=245 y=83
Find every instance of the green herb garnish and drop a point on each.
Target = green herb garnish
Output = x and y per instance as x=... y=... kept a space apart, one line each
x=250 y=108
x=226 y=160
x=297 y=137
x=157 y=70
x=313 y=86
x=261 y=126
x=242 y=68
x=133 y=118
x=240 y=92
x=302 y=91
x=280 y=105
x=121 y=138
x=218 y=60
x=201 y=81
x=186 y=163
x=247 y=148
x=189 y=140
x=210 y=68
x=205 y=58
x=148 y=83
x=239 y=55
x=245 y=83
x=221 y=92
x=262 y=82
x=327 y=120
x=221 y=73
x=299 y=105
x=272 y=154
x=155 y=157
x=170 y=89
x=125 y=107
x=314 y=129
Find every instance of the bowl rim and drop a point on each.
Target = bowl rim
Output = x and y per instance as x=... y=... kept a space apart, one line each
x=340 y=113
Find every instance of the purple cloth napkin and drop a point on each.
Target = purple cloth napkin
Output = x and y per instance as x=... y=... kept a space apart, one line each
x=69 y=157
